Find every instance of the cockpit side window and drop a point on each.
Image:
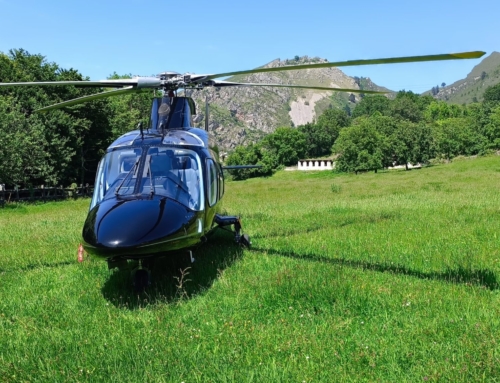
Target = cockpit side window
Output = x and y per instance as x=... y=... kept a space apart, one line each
x=112 y=171
x=212 y=183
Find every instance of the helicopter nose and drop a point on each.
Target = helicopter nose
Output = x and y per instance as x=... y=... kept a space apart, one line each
x=128 y=224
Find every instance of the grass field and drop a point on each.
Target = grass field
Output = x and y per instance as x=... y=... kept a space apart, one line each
x=392 y=276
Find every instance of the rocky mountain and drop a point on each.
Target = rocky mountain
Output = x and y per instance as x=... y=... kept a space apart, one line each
x=471 y=88
x=245 y=114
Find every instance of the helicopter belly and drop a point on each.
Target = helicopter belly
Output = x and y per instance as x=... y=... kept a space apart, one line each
x=140 y=227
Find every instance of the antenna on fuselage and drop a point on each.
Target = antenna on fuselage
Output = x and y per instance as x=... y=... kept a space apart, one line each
x=141 y=128
x=206 y=112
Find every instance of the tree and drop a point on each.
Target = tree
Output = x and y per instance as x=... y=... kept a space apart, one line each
x=439 y=110
x=406 y=109
x=457 y=136
x=385 y=126
x=284 y=147
x=69 y=138
x=22 y=143
x=409 y=106
x=360 y=147
x=443 y=84
x=492 y=94
x=128 y=110
x=370 y=105
x=321 y=135
x=492 y=129
x=248 y=155
x=410 y=142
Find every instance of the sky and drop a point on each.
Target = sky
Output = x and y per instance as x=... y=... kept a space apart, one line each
x=145 y=38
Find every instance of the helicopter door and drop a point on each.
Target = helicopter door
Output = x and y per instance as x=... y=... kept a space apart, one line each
x=212 y=192
x=221 y=182
x=212 y=183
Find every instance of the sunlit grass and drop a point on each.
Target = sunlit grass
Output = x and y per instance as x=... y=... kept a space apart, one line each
x=376 y=277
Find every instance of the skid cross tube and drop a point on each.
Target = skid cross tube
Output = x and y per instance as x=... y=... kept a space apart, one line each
x=226 y=220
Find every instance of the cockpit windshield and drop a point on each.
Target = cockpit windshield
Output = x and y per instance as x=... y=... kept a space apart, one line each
x=161 y=171
x=174 y=173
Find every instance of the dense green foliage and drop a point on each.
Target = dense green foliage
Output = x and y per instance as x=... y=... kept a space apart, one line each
x=382 y=132
x=492 y=94
x=391 y=277
x=371 y=105
x=362 y=148
x=321 y=135
x=128 y=110
x=53 y=148
x=285 y=146
x=62 y=146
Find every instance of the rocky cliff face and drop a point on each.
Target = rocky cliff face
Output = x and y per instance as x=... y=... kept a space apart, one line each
x=243 y=115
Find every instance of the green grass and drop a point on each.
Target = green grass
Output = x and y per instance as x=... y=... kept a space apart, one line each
x=392 y=276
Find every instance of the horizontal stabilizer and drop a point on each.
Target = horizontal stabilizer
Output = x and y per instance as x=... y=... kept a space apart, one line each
x=232 y=167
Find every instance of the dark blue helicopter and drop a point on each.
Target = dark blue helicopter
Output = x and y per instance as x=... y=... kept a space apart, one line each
x=158 y=188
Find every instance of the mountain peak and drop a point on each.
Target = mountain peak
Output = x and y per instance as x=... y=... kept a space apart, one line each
x=246 y=114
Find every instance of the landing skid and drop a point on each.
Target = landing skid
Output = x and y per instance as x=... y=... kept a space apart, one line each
x=227 y=220
x=141 y=273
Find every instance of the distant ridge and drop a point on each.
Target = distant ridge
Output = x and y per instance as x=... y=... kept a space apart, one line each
x=471 y=88
x=244 y=115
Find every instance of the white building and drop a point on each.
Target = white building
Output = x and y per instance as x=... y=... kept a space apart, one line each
x=325 y=164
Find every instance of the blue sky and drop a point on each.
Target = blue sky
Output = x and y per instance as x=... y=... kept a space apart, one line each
x=130 y=36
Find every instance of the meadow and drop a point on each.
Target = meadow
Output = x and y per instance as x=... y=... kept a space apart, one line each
x=393 y=276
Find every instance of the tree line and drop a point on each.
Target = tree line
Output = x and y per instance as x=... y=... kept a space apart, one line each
x=64 y=146
x=381 y=132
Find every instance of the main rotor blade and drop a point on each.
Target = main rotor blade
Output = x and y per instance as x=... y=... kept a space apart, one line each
x=390 y=60
x=114 y=92
x=138 y=82
x=229 y=83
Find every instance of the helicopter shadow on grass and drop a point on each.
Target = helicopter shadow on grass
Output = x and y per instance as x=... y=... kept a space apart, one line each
x=174 y=279
x=484 y=278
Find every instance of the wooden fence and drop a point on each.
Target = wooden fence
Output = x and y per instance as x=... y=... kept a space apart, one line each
x=43 y=193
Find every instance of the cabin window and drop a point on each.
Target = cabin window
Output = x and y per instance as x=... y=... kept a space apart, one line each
x=212 y=183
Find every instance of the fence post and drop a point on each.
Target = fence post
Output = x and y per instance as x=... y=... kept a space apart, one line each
x=2 y=195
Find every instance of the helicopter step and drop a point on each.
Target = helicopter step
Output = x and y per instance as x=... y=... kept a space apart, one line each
x=227 y=220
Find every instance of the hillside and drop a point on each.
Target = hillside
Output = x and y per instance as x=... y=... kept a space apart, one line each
x=245 y=114
x=471 y=88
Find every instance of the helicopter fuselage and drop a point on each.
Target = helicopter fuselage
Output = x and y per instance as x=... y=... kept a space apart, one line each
x=155 y=192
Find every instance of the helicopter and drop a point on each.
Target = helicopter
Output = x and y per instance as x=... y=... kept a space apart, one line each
x=158 y=189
